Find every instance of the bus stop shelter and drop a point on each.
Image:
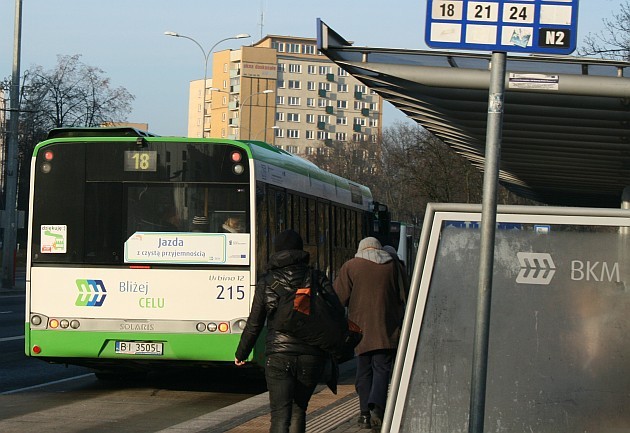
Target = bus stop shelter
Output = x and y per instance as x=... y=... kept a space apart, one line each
x=566 y=124
x=558 y=348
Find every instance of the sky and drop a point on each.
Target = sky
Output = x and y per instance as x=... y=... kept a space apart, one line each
x=125 y=38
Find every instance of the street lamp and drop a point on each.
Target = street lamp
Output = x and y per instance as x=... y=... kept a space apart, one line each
x=206 y=56
x=274 y=127
x=240 y=109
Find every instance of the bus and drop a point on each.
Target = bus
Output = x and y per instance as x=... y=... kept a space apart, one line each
x=404 y=238
x=144 y=250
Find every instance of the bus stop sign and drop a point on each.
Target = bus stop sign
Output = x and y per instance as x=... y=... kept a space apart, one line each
x=526 y=26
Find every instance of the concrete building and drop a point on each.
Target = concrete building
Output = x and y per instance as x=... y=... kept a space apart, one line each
x=283 y=91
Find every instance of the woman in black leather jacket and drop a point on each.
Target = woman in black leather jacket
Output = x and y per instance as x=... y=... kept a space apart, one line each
x=293 y=368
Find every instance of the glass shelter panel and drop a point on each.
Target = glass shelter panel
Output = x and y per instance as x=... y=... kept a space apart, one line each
x=558 y=350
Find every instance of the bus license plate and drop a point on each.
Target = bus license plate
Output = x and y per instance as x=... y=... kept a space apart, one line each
x=139 y=348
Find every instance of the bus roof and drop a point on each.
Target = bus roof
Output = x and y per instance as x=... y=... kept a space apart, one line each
x=114 y=131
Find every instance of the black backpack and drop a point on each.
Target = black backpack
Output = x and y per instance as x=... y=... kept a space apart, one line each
x=314 y=314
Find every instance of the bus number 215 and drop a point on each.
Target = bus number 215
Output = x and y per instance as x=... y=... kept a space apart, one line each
x=230 y=292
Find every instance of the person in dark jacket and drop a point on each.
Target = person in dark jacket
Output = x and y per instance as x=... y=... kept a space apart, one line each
x=368 y=285
x=293 y=368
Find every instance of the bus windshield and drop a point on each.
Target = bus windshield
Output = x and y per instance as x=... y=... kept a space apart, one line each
x=185 y=208
x=100 y=195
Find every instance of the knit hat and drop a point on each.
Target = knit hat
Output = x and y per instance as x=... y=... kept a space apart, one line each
x=369 y=243
x=288 y=240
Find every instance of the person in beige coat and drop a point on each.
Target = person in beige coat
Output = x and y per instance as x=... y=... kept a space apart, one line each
x=367 y=285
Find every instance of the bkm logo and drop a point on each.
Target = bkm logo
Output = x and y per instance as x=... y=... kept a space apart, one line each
x=92 y=293
x=536 y=268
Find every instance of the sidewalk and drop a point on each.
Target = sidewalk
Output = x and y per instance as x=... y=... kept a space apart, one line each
x=327 y=412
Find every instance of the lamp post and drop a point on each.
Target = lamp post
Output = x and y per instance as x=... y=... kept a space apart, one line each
x=274 y=127
x=240 y=109
x=206 y=56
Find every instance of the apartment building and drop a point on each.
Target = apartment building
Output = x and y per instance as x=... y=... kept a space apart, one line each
x=283 y=91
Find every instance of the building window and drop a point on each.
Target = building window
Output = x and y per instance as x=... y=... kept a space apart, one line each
x=360 y=121
x=374 y=123
x=280 y=84
x=310 y=135
x=322 y=102
x=279 y=100
x=342 y=72
x=322 y=135
x=282 y=67
x=343 y=120
x=374 y=106
x=292 y=149
x=322 y=118
x=280 y=133
x=325 y=86
x=199 y=108
x=293 y=133
x=280 y=116
x=311 y=85
x=293 y=48
x=295 y=84
x=223 y=117
x=293 y=117
x=358 y=105
x=294 y=100
x=295 y=68
x=359 y=88
x=323 y=70
x=278 y=46
x=342 y=88
x=340 y=136
x=342 y=104
x=310 y=118
x=308 y=49
x=310 y=102
x=312 y=69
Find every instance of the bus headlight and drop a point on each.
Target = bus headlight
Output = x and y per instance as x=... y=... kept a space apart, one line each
x=201 y=327
x=36 y=320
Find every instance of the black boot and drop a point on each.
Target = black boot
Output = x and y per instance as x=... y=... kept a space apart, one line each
x=364 y=420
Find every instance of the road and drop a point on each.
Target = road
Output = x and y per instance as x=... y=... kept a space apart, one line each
x=35 y=395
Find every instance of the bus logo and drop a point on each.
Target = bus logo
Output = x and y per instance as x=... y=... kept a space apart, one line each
x=92 y=293
x=536 y=268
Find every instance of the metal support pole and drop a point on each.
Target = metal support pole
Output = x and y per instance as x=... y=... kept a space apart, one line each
x=486 y=254
x=11 y=164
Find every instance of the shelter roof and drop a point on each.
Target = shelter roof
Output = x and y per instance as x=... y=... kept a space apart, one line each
x=566 y=122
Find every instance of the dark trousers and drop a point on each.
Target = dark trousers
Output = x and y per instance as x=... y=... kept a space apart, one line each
x=374 y=370
x=291 y=380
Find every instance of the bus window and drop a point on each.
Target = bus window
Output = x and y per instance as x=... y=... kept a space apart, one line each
x=185 y=208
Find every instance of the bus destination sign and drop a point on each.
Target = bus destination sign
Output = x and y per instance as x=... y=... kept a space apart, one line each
x=140 y=160
x=527 y=26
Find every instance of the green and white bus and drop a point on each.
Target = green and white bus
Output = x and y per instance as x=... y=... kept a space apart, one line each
x=144 y=250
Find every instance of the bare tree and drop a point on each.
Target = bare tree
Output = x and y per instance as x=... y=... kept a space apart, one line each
x=614 y=41
x=72 y=94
